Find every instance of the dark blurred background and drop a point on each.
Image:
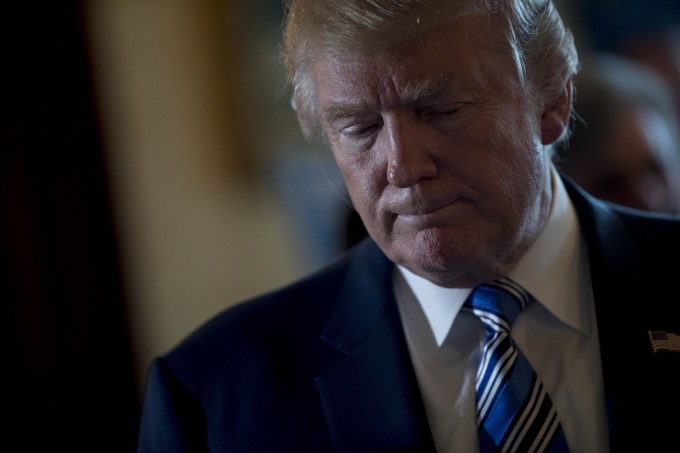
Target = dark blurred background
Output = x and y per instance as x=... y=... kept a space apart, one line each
x=69 y=377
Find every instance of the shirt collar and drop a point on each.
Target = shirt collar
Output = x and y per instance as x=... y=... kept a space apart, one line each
x=554 y=271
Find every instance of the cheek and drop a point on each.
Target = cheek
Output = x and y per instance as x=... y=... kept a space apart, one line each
x=364 y=176
x=518 y=161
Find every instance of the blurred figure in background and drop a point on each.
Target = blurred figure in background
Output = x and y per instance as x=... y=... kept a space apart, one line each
x=625 y=145
x=647 y=32
x=659 y=50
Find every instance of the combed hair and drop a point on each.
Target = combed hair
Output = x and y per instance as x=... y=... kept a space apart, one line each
x=541 y=46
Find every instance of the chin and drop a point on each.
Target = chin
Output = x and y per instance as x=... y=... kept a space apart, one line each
x=438 y=264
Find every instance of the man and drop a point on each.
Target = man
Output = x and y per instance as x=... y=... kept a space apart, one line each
x=441 y=116
x=626 y=149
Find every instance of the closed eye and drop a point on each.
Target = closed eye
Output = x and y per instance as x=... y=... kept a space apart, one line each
x=360 y=130
x=445 y=110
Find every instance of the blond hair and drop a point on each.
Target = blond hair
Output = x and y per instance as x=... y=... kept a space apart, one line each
x=540 y=44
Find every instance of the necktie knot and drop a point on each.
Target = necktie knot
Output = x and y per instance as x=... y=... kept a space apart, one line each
x=498 y=304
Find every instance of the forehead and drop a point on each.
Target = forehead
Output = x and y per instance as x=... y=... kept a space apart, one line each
x=469 y=52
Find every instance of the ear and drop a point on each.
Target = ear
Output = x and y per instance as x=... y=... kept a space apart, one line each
x=555 y=117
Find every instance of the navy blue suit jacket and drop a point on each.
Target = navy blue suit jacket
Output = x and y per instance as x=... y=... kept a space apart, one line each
x=322 y=365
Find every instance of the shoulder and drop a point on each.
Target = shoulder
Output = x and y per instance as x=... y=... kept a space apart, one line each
x=604 y=222
x=628 y=249
x=624 y=243
x=274 y=324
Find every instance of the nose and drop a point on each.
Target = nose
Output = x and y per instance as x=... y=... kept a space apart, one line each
x=405 y=141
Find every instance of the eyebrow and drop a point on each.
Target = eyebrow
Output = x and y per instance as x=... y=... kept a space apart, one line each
x=423 y=90
x=413 y=93
x=341 y=111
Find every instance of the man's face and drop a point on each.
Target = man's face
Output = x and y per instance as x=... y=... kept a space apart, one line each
x=441 y=150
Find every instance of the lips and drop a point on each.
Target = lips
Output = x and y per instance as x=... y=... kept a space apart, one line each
x=420 y=212
x=433 y=215
x=416 y=209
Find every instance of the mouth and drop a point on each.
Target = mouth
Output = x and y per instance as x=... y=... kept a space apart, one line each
x=424 y=209
x=430 y=215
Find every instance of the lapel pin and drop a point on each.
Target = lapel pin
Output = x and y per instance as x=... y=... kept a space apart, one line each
x=664 y=341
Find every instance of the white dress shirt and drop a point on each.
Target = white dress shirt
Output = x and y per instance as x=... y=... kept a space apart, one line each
x=558 y=335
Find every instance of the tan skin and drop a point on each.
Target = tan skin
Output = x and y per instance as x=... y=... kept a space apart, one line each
x=442 y=151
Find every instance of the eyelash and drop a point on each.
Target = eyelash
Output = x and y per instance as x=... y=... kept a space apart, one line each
x=363 y=132
x=446 y=112
x=360 y=132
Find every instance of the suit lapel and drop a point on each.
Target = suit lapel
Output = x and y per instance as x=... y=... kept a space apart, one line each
x=370 y=395
x=622 y=281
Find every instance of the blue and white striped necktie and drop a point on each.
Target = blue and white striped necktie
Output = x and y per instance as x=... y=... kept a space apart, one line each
x=514 y=412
